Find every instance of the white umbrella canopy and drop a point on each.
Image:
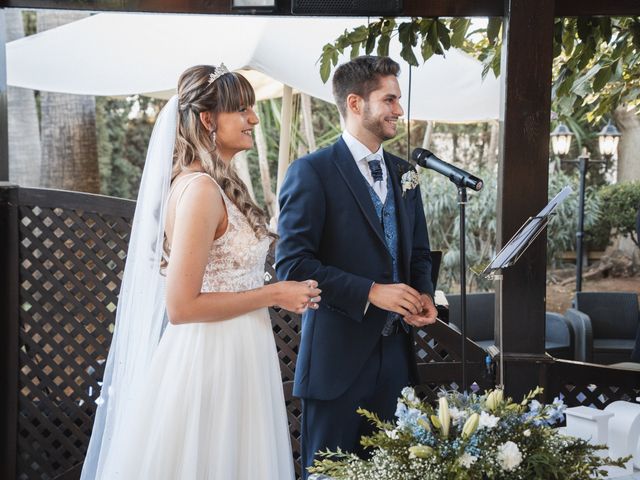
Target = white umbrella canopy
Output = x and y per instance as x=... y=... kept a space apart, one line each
x=123 y=54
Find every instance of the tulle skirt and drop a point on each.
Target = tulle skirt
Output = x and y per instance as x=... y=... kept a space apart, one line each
x=212 y=408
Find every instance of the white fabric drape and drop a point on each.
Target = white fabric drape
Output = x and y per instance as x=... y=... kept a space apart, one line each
x=123 y=54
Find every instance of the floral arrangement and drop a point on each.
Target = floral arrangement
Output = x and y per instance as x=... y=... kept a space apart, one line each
x=469 y=436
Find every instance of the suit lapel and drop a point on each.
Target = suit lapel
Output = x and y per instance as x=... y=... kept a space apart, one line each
x=401 y=212
x=357 y=184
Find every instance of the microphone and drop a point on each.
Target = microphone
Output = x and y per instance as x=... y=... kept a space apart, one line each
x=426 y=159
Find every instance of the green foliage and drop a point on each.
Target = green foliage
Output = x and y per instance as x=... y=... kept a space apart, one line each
x=434 y=36
x=123 y=137
x=111 y=119
x=469 y=437
x=442 y=212
x=596 y=64
x=595 y=58
x=124 y=127
x=326 y=127
x=561 y=231
x=620 y=205
x=30 y=22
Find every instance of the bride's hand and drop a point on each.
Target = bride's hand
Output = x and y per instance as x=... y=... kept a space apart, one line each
x=296 y=296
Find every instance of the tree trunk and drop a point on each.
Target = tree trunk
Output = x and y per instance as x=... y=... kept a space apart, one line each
x=68 y=134
x=25 y=155
x=307 y=117
x=629 y=146
x=428 y=133
x=241 y=164
x=265 y=175
x=492 y=151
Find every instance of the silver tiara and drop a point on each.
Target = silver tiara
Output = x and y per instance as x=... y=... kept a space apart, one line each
x=219 y=71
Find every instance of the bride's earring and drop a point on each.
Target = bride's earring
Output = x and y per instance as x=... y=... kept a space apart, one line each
x=213 y=139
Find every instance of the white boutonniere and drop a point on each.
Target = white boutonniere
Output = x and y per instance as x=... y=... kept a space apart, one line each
x=409 y=181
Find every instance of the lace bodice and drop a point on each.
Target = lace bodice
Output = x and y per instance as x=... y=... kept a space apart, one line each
x=236 y=259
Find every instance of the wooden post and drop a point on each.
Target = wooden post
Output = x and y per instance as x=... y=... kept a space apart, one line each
x=285 y=134
x=9 y=310
x=522 y=184
x=4 y=118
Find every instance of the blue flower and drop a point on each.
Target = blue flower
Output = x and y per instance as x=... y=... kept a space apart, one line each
x=535 y=406
x=555 y=411
x=408 y=416
x=473 y=446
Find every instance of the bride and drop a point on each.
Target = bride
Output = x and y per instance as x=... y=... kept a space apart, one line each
x=192 y=387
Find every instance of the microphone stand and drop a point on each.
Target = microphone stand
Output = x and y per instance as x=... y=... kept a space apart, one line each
x=462 y=202
x=461 y=179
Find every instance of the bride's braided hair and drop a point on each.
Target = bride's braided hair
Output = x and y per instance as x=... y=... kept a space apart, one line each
x=228 y=93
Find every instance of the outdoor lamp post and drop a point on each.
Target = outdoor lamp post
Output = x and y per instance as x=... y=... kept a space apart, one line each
x=608 y=139
x=561 y=140
x=560 y=143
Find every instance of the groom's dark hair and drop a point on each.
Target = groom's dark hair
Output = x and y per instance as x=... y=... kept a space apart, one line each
x=360 y=76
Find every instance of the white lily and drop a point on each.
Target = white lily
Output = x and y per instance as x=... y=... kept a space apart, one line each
x=443 y=416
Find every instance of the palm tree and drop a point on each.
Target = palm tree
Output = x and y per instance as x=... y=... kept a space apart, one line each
x=628 y=164
x=68 y=133
x=24 y=137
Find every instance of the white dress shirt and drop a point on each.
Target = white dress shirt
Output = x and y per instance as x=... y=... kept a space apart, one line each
x=361 y=155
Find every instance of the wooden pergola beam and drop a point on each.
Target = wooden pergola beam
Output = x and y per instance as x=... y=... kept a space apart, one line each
x=432 y=8
x=585 y=8
x=523 y=184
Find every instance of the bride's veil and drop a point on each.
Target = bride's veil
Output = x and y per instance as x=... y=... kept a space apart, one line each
x=141 y=310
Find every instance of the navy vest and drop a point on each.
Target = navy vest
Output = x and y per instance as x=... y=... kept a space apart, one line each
x=387 y=215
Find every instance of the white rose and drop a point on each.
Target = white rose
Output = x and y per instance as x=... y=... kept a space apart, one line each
x=457 y=416
x=410 y=394
x=467 y=460
x=509 y=456
x=487 y=421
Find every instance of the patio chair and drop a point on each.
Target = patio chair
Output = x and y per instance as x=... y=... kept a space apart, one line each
x=480 y=320
x=604 y=326
x=557 y=336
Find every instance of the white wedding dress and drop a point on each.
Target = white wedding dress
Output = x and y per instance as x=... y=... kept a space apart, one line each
x=212 y=407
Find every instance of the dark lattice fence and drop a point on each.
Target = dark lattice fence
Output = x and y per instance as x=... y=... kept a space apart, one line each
x=72 y=249
x=71 y=253
x=63 y=257
x=592 y=385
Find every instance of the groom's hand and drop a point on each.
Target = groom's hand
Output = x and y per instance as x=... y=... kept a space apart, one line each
x=396 y=297
x=428 y=314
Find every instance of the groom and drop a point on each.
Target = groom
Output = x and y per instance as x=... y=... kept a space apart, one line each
x=351 y=217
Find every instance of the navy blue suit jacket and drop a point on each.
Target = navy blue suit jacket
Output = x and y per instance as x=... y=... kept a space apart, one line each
x=329 y=232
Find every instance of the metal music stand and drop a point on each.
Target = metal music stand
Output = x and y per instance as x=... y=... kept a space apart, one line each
x=510 y=254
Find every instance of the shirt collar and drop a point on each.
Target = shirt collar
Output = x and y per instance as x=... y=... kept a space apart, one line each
x=357 y=149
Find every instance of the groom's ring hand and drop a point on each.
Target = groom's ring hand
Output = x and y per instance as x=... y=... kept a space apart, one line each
x=427 y=316
x=396 y=297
